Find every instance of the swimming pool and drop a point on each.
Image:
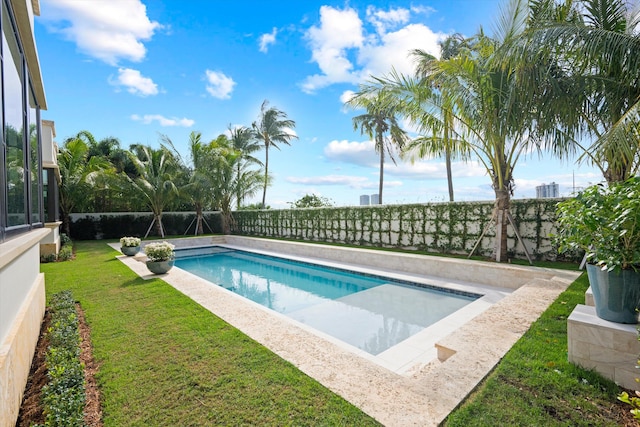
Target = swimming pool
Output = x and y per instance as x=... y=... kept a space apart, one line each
x=370 y=312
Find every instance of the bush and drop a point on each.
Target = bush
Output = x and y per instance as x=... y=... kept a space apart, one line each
x=64 y=239
x=48 y=258
x=66 y=253
x=115 y=226
x=64 y=395
x=161 y=251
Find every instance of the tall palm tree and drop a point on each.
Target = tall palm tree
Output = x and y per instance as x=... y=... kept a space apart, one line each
x=380 y=119
x=243 y=139
x=157 y=170
x=450 y=47
x=594 y=89
x=272 y=128
x=79 y=174
x=495 y=113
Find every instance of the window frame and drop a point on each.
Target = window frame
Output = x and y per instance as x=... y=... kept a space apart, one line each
x=7 y=231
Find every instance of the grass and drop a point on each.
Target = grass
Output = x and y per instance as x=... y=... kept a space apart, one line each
x=535 y=385
x=165 y=360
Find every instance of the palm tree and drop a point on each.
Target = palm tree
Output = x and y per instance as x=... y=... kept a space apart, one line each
x=243 y=139
x=196 y=188
x=157 y=170
x=380 y=118
x=493 y=110
x=78 y=173
x=229 y=182
x=449 y=48
x=272 y=128
x=594 y=90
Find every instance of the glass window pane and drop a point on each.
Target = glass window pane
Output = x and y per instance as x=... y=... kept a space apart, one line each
x=14 y=123
x=34 y=160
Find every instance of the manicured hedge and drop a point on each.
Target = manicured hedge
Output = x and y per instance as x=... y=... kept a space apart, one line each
x=63 y=397
x=112 y=226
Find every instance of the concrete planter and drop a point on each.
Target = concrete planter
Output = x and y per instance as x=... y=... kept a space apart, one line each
x=160 y=267
x=616 y=294
x=130 y=250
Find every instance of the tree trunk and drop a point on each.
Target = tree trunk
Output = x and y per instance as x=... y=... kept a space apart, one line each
x=447 y=157
x=159 y=228
x=199 y=230
x=66 y=224
x=266 y=174
x=381 y=173
x=503 y=200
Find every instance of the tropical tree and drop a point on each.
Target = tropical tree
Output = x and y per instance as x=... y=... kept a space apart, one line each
x=380 y=123
x=230 y=183
x=593 y=90
x=448 y=145
x=312 y=201
x=79 y=174
x=157 y=169
x=496 y=115
x=196 y=182
x=272 y=128
x=243 y=139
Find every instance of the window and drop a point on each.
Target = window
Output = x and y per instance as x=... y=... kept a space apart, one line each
x=35 y=161
x=13 y=72
x=20 y=145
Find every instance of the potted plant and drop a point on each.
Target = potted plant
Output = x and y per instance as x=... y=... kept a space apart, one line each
x=160 y=257
x=605 y=223
x=129 y=245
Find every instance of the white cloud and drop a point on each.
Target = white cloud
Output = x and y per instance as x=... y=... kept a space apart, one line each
x=432 y=169
x=219 y=85
x=346 y=96
x=392 y=50
x=267 y=39
x=135 y=82
x=163 y=121
x=104 y=29
x=358 y=153
x=381 y=19
x=338 y=31
x=348 y=180
x=346 y=53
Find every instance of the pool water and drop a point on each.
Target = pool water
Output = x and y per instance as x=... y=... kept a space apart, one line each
x=372 y=313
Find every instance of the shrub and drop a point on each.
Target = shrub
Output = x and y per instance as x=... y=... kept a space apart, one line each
x=131 y=242
x=48 y=258
x=66 y=253
x=64 y=239
x=162 y=251
x=63 y=396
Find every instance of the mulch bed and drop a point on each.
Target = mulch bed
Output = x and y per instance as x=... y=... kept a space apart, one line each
x=31 y=409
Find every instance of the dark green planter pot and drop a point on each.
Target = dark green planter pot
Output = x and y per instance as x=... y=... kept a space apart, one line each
x=160 y=267
x=616 y=294
x=130 y=250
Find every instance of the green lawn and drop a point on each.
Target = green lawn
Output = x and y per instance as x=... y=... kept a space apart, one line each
x=535 y=385
x=164 y=360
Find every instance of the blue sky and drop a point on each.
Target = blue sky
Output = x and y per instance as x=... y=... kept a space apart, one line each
x=137 y=69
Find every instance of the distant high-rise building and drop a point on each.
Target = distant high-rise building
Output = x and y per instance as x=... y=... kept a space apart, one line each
x=364 y=200
x=375 y=199
x=547 y=191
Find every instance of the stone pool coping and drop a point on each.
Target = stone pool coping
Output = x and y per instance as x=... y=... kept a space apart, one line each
x=423 y=395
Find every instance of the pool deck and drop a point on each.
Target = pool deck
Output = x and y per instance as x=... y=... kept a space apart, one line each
x=420 y=380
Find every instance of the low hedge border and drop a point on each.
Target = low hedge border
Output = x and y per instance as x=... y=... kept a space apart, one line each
x=63 y=397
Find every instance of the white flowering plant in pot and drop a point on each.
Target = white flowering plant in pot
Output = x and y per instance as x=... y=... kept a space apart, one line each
x=161 y=251
x=129 y=242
